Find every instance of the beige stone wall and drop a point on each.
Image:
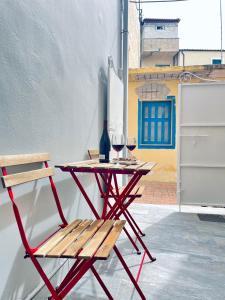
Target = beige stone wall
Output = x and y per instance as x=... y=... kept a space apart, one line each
x=163 y=45
x=199 y=57
x=157 y=58
x=134 y=37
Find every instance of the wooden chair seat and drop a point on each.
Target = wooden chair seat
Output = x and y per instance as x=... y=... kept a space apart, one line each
x=83 y=239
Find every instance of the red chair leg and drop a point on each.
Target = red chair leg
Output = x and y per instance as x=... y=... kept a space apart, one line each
x=140 y=240
x=84 y=268
x=132 y=241
x=73 y=270
x=50 y=287
x=129 y=273
x=101 y=283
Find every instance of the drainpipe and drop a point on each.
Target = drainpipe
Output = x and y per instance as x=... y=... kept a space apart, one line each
x=121 y=40
x=125 y=66
x=141 y=31
x=125 y=76
x=182 y=52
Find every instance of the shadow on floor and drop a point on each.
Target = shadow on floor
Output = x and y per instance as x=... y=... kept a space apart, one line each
x=190 y=260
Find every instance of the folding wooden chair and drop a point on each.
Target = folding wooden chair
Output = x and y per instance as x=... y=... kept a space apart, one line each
x=84 y=241
x=135 y=193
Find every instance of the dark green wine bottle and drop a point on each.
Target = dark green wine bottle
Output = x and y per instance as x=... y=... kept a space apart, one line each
x=104 y=145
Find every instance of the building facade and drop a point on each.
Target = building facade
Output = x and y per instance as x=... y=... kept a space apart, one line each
x=133 y=37
x=153 y=113
x=160 y=47
x=190 y=57
x=159 y=42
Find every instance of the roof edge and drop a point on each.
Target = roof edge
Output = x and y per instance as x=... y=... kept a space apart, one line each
x=186 y=49
x=156 y=20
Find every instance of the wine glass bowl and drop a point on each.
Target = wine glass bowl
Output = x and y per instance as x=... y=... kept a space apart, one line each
x=131 y=145
x=117 y=144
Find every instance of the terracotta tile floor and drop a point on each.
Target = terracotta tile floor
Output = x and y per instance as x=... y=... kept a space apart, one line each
x=158 y=193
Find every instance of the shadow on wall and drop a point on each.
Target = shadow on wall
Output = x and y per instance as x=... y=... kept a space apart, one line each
x=98 y=113
x=102 y=96
x=19 y=277
x=40 y=219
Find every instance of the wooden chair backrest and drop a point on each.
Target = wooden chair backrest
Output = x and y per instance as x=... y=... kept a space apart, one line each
x=93 y=153
x=21 y=159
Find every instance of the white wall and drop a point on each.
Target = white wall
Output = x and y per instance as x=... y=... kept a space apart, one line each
x=53 y=84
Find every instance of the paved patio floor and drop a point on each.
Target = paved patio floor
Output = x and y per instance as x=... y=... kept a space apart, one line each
x=190 y=259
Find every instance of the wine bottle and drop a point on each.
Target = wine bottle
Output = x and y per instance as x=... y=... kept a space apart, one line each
x=104 y=145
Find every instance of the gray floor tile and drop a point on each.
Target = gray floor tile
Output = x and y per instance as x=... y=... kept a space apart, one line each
x=190 y=260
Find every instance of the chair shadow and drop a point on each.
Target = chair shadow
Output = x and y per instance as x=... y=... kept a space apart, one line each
x=190 y=255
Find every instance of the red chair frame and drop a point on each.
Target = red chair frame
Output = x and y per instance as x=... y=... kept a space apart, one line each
x=80 y=266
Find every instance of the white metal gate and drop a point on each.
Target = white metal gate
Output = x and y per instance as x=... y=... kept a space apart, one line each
x=201 y=144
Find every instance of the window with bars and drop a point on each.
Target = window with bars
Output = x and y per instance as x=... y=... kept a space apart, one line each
x=156 y=124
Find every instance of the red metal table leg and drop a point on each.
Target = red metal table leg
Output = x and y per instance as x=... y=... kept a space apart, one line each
x=122 y=197
x=106 y=196
x=129 y=236
x=134 y=222
x=140 y=268
x=117 y=213
x=128 y=213
x=129 y=273
x=138 y=237
x=117 y=206
x=141 y=241
x=94 y=210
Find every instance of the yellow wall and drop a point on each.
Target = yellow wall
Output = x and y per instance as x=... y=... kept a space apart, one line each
x=166 y=159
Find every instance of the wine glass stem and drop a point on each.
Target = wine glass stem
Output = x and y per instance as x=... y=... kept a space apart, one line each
x=117 y=156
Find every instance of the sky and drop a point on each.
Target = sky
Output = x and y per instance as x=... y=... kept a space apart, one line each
x=199 y=27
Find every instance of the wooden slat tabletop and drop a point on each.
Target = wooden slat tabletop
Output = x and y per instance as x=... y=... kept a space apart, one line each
x=94 y=164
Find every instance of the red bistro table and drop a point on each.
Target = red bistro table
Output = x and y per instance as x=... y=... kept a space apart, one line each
x=106 y=175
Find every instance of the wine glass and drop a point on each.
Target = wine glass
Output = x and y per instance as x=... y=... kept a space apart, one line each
x=131 y=145
x=117 y=144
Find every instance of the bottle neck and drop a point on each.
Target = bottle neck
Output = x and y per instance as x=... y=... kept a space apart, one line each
x=105 y=124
